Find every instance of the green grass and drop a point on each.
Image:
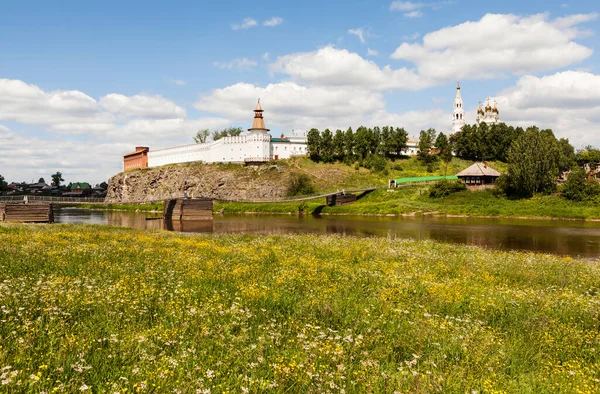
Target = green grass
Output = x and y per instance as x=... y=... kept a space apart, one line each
x=414 y=200
x=90 y=308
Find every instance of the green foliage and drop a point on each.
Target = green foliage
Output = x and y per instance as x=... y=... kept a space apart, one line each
x=589 y=155
x=201 y=136
x=327 y=148
x=426 y=140
x=446 y=187
x=533 y=161
x=41 y=180
x=338 y=145
x=483 y=142
x=579 y=188
x=313 y=144
x=3 y=184
x=300 y=184
x=57 y=179
x=376 y=163
x=228 y=132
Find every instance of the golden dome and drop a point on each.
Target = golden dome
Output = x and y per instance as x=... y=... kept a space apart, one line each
x=488 y=107
x=480 y=111
x=495 y=110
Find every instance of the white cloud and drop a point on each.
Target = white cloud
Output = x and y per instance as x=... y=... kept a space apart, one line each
x=358 y=33
x=141 y=106
x=289 y=105
x=237 y=64
x=178 y=82
x=494 y=46
x=412 y=9
x=567 y=102
x=266 y=57
x=414 y=14
x=329 y=66
x=372 y=52
x=273 y=21
x=246 y=24
x=60 y=110
x=405 y=6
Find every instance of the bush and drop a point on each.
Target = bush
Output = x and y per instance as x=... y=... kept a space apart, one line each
x=300 y=184
x=579 y=188
x=445 y=187
x=397 y=167
x=503 y=185
x=376 y=163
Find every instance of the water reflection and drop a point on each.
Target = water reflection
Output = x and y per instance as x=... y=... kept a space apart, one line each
x=574 y=238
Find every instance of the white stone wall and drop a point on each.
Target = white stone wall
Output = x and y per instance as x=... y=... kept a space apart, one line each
x=255 y=146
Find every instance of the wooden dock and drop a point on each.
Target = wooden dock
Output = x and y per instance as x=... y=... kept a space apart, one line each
x=340 y=199
x=26 y=213
x=188 y=209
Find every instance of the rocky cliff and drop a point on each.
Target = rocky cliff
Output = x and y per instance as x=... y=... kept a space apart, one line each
x=220 y=181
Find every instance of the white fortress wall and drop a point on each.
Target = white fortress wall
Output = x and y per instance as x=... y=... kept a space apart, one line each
x=181 y=154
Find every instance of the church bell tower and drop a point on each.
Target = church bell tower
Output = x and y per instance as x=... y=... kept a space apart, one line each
x=458 y=116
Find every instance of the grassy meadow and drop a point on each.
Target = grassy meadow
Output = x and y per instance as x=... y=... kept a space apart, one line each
x=101 y=309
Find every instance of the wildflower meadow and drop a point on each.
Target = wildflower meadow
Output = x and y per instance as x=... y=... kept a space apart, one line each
x=112 y=310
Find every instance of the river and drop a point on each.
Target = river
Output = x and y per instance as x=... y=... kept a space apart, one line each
x=563 y=237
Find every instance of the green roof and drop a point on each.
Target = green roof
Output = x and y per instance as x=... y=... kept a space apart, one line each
x=279 y=140
x=80 y=185
x=423 y=179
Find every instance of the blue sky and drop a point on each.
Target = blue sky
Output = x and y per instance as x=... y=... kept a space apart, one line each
x=82 y=83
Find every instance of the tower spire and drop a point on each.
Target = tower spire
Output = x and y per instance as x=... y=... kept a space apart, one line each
x=259 y=122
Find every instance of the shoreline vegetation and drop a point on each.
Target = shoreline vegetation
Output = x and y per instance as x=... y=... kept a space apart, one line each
x=114 y=309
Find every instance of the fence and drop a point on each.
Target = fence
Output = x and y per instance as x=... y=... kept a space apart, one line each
x=50 y=198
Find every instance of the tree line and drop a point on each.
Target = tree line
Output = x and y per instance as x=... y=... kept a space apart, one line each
x=349 y=146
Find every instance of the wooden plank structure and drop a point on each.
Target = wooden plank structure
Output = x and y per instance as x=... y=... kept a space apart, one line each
x=340 y=199
x=26 y=213
x=188 y=209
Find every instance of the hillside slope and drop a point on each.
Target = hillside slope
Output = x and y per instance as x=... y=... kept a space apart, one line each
x=269 y=181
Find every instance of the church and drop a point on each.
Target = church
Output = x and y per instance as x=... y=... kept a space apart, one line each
x=257 y=146
x=490 y=116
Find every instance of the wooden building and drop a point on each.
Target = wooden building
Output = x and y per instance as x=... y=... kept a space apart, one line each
x=26 y=213
x=188 y=209
x=478 y=174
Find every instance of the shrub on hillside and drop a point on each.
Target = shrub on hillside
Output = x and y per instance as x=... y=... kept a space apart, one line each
x=445 y=187
x=300 y=184
x=579 y=188
x=376 y=163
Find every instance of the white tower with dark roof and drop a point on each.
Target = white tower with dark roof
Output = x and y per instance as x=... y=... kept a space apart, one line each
x=458 y=116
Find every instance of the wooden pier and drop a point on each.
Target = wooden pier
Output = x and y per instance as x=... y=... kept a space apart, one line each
x=188 y=209
x=340 y=199
x=26 y=213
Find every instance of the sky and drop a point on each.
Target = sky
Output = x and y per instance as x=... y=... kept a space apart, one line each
x=82 y=83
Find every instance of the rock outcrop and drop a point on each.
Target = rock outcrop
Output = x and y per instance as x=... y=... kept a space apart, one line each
x=218 y=181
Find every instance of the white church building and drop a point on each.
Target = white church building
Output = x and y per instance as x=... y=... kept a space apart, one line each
x=490 y=116
x=256 y=146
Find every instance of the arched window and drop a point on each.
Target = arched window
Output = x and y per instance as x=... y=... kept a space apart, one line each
x=461 y=116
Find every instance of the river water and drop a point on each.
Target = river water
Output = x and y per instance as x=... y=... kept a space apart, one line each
x=563 y=237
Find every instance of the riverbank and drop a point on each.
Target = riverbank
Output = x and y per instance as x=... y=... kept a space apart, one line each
x=413 y=201
x=114 y=309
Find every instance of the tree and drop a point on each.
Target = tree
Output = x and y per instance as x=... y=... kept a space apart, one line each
x=313 y=144
x=362 y=142
x=566 y=155
x=399 y=140
x=338 y=145
x=444 y=150
x=103 y=185
x=41 y=180
x=327 y=151
x=57 y=179
x=575 y=186
x=201 y=136
x=349 y=144
x=533 y=162
x=426 y=139
x=3 y=184
x=300 y=184
x=228 y=132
